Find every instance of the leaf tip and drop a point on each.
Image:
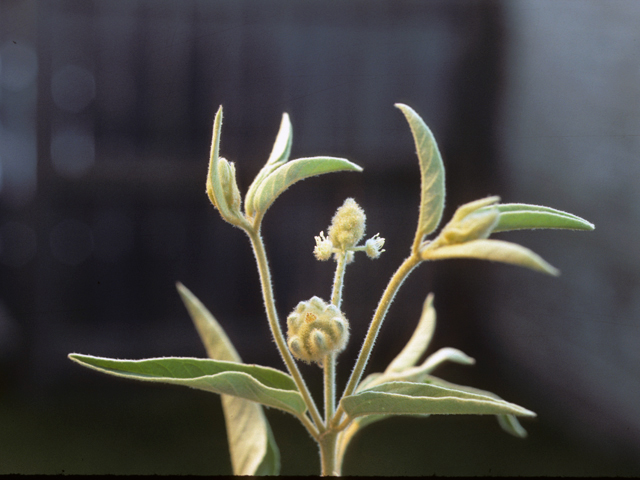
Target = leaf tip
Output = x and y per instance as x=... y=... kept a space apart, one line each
x=76 y=357
x=551 y=270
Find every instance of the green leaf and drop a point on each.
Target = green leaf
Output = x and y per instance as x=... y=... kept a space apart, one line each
x=520 y=216
x=251 y=443
x=214 y=338
x=214 y=186
x=265 y=385
x=279 y=155
x=432 y=174
x=418 y=342
x=289 y=173
x=446 y=354
x=495 y=250
x=417 y=374
x=270 y=464
x=406 y=398
x=509 y=423
x=369 y=380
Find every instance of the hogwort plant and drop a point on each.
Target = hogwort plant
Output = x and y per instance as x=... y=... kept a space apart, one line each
x=318 y=329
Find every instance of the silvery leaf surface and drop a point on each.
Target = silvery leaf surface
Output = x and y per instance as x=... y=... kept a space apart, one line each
x=251 y=443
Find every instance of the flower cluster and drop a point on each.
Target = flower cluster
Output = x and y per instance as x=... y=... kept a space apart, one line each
x=316 y=329
x=346 y=230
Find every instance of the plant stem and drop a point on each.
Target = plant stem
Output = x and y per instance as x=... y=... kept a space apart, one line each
x=329 y=361
x=329 y=453
x=336 y=294
x=329 y=366
x=272 y=316
x=311 y=428
x=387 y=297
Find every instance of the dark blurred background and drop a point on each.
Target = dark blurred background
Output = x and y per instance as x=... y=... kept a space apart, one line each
x=106 y=110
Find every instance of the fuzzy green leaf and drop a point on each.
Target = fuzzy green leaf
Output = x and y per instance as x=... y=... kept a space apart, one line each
x=291 y=172
x=214 y=186
x=214 y=338
x=417 y=374
x=432 y=174
x=494 y=250
x=446 y=354
x=405 y=398
x=279 y=155
x=251 y=443
x=265 y=385
x=418 y=342
x=508 y=422
x=520 y=216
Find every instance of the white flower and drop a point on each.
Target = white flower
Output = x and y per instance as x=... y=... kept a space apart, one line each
x=323 y=248
x=374 y=245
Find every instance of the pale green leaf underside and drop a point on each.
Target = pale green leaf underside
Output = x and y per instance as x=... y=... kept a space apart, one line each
x=251 y=443
x=265 y=385
x=432 y=173
x=419 y=341
x=291 y=172
x=214 y=338
x=494 y=250
x=510 y=424
x=279 y=155
x=520 y=216
x=282 y=146
x=405 y=398
x=446 y=354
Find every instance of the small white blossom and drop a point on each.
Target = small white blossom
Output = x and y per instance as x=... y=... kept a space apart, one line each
x=323 y=248
x=374 y=245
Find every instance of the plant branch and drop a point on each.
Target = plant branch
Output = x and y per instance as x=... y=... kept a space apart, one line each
x=329 y=361
x=272 y=316
x=336 y=294
x=387 y=297
x=309 y=425
x=329 y=367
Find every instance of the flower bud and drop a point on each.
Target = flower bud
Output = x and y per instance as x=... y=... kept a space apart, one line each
x=227 y=173
x=316 y=329
x=468 y=224
x=348 y=225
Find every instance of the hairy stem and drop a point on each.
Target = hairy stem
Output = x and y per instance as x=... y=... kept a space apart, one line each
x=272 y=316
x=329 y=453
x=336 y=294
x=329 y=361
x=387 y=297
x=329 y=366
x=328 y=444
x=308 y=424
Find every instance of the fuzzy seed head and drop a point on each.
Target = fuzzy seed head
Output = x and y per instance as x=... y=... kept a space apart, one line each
x=316 y=329
x=348 y=225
